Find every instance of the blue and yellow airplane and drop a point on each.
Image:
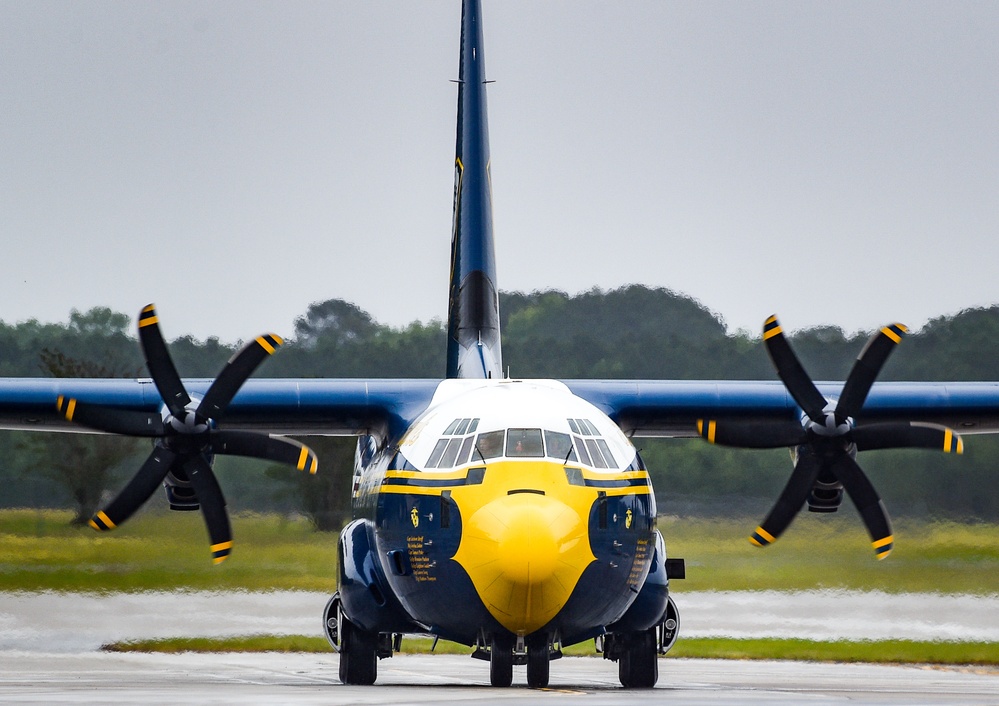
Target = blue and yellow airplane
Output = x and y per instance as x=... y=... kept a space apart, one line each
x=513 y=516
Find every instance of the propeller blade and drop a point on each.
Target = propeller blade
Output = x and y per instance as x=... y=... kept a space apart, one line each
x=138 y=490
x=114 y=421
x=866 y=369
x=868 y=502
x=160 y=364
x=269 y=448
x=751 y=435
x=212 y=505
x=791 y=372
x=235 y=373
x=806 y=470
x=907 y=435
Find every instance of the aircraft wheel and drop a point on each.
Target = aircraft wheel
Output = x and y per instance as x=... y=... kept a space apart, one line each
x=358 y=655
x=538 y=665
x=638 y=667
x=500 y=663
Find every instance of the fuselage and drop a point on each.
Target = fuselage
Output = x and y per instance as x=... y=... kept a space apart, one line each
x=510 y=506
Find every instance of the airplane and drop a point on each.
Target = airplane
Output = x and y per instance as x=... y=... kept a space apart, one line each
x=514 y=516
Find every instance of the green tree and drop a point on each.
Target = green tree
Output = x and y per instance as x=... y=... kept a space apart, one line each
x=82 y=464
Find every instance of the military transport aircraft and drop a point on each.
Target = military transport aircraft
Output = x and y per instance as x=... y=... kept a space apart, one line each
x=512 y=516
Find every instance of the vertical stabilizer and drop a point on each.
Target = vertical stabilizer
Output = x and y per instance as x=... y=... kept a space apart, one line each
x=473 y=348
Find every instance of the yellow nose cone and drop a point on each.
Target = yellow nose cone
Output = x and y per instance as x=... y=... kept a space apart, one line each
x=527 y=551
x=524 y=553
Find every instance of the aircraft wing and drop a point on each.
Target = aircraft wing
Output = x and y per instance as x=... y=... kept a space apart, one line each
x=308 y=406
x=671 y=408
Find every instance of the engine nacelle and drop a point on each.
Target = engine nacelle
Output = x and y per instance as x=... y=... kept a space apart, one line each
x=180 y=494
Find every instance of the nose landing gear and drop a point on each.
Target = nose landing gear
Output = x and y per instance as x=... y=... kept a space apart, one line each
x=538 y=663
x=503 y=652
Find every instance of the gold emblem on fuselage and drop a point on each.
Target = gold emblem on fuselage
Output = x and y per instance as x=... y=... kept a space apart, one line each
x=415 y=517
x=627 y=519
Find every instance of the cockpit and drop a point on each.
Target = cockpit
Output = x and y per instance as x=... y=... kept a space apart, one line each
x=462 y=443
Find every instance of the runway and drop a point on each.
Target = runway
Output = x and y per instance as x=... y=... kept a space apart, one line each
x=49 y=653
x=99 y=678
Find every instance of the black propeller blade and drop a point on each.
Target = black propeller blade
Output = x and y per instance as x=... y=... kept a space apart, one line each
x=186 y=434
x=827 y=441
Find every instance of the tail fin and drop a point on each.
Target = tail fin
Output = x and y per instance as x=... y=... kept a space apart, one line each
x=473 y=347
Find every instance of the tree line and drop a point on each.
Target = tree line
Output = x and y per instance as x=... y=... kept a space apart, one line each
x=631 y=332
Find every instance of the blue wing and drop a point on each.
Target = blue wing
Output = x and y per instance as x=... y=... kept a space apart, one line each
x=279 y=406
x=671 y=408
x=643 y=408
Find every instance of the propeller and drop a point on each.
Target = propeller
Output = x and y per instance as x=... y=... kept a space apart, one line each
x=186 y=435
x=826 y=441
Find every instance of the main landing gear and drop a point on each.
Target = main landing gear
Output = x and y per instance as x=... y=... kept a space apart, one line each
x=637 y=652
x=358 y=649
x=638 y=665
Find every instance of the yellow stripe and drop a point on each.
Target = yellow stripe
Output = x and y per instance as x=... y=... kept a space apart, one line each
x=436 y=491
x=712 y=426
x=70 y=409
x=772 y=332
x=960 y=445
x=314 y=467
x=106 y=520
x=221 y=545
x=948 y=440
x=265 y=345
x=700 y=426
x=302 y=457
x=766 y=535
x=148 y=320
x=882 y=542
x=219 y=559
x=891 y=334
x=755 y=541
x=94 y=525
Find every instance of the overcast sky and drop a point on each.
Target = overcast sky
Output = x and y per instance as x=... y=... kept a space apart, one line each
x=833 y=162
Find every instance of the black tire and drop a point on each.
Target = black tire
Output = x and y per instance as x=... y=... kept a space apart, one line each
x=638 y=667
x=358 y=655
x=500 y=663
x=538 y=665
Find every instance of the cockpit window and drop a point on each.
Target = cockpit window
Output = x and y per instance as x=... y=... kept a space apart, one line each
x=459 y=445
x=559 y=446
x=436 y=454
x=522 y=443
x=489 y=445
x=584 y=456
x=583 y=427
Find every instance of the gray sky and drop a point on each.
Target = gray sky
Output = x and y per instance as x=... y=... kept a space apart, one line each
x=834 y=162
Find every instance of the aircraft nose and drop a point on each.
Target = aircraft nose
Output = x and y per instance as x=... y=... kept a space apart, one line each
x=525 y=552
x=527 y=545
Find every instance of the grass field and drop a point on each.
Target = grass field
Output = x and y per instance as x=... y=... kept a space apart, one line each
x=39 y=550
x=883 y=652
